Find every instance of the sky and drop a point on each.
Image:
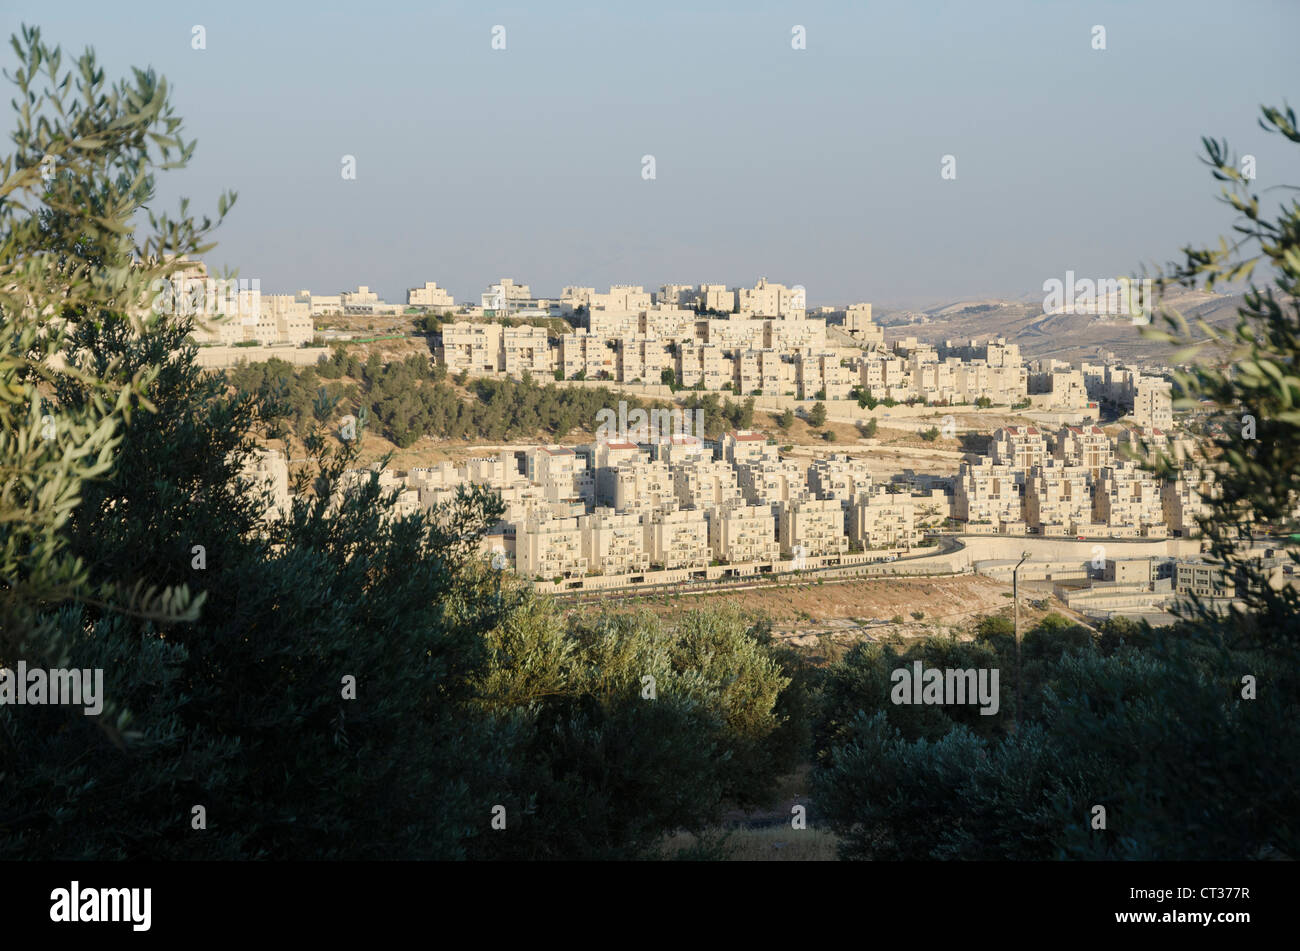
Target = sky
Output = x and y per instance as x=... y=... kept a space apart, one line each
x=818 y=166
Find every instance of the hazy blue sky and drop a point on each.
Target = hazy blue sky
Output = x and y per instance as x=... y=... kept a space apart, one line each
x=819 y=167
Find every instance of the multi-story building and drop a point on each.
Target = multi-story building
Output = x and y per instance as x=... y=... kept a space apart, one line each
x=561 y=473
x=677 y=295
x=613 y=543
x=471 y=347
x=363 y=302
x=857 y=321
x=768 y=483
x=702 y=364
x=622 y=298
x=770 y=300
x=429 y=297
x=793 y=334
x=1153 y=404
x=1184 y=500
x=506 y=297
x=640 y=359
x=1127 y=500
x=811 y=527
x=882 y=519
x=547 y=547
x=1086 y=446
x=1058 y=499
x=1205 y=579
x=640 y=486
x=290 y=317
x=716 y=297
x=820 y=375
x=319 y=305
x=885 y=376
x=989 y=497
x=746 y=446
x=704 y=484
x=838 y=477
x=583 y=352
x=740 y=533
x=526 y=349
x=1020 y=447
x=676 y=539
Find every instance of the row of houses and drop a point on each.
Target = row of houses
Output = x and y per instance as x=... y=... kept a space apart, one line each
x=1075 y=482
x=616 y=507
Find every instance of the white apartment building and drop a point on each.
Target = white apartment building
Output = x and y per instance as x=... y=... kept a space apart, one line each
x=988 y=497
x=547 y=547
x=820 y=375
x=705 y=484
x=583 y=352
x=677 y=295
x=1153 y=406
x=770 y=300
x=1020 y=447
x=1127 y=499
x=676 y=539
x=1183 y=500
x=857 y=321
x=505 y=297
x=561 y=473
x=320 y=304
x=1058 y=499
x=740 y=533
x=430 y=297
x=683 y=449
x=613 y=543
x=741 y=446
x=717 y=297
x=794 y=334
x=885 y=376
x=640 y=487
x=1086 y=446
x=882 y=519
x=811 y=527
x=768 y=483
x=526 y=348
x=622 y=298
x=838 y=477
x=364 y=302
x=640 y=358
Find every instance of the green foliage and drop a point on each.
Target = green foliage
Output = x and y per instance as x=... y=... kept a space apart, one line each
x=817 y=415
x=468 y=692
x=606 y=767
x=931 y=434
x=1198 y=792
x=408 y=400
x=72 y=205
x=720 y=414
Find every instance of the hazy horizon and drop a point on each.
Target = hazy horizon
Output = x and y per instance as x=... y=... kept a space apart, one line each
x=818 y=166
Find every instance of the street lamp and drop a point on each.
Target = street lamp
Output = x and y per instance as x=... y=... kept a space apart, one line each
x=1015 y=598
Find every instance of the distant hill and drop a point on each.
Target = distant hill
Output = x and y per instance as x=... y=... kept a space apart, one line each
x=1063 y=336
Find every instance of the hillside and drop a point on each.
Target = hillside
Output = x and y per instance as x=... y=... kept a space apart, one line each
x=1069 y=337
